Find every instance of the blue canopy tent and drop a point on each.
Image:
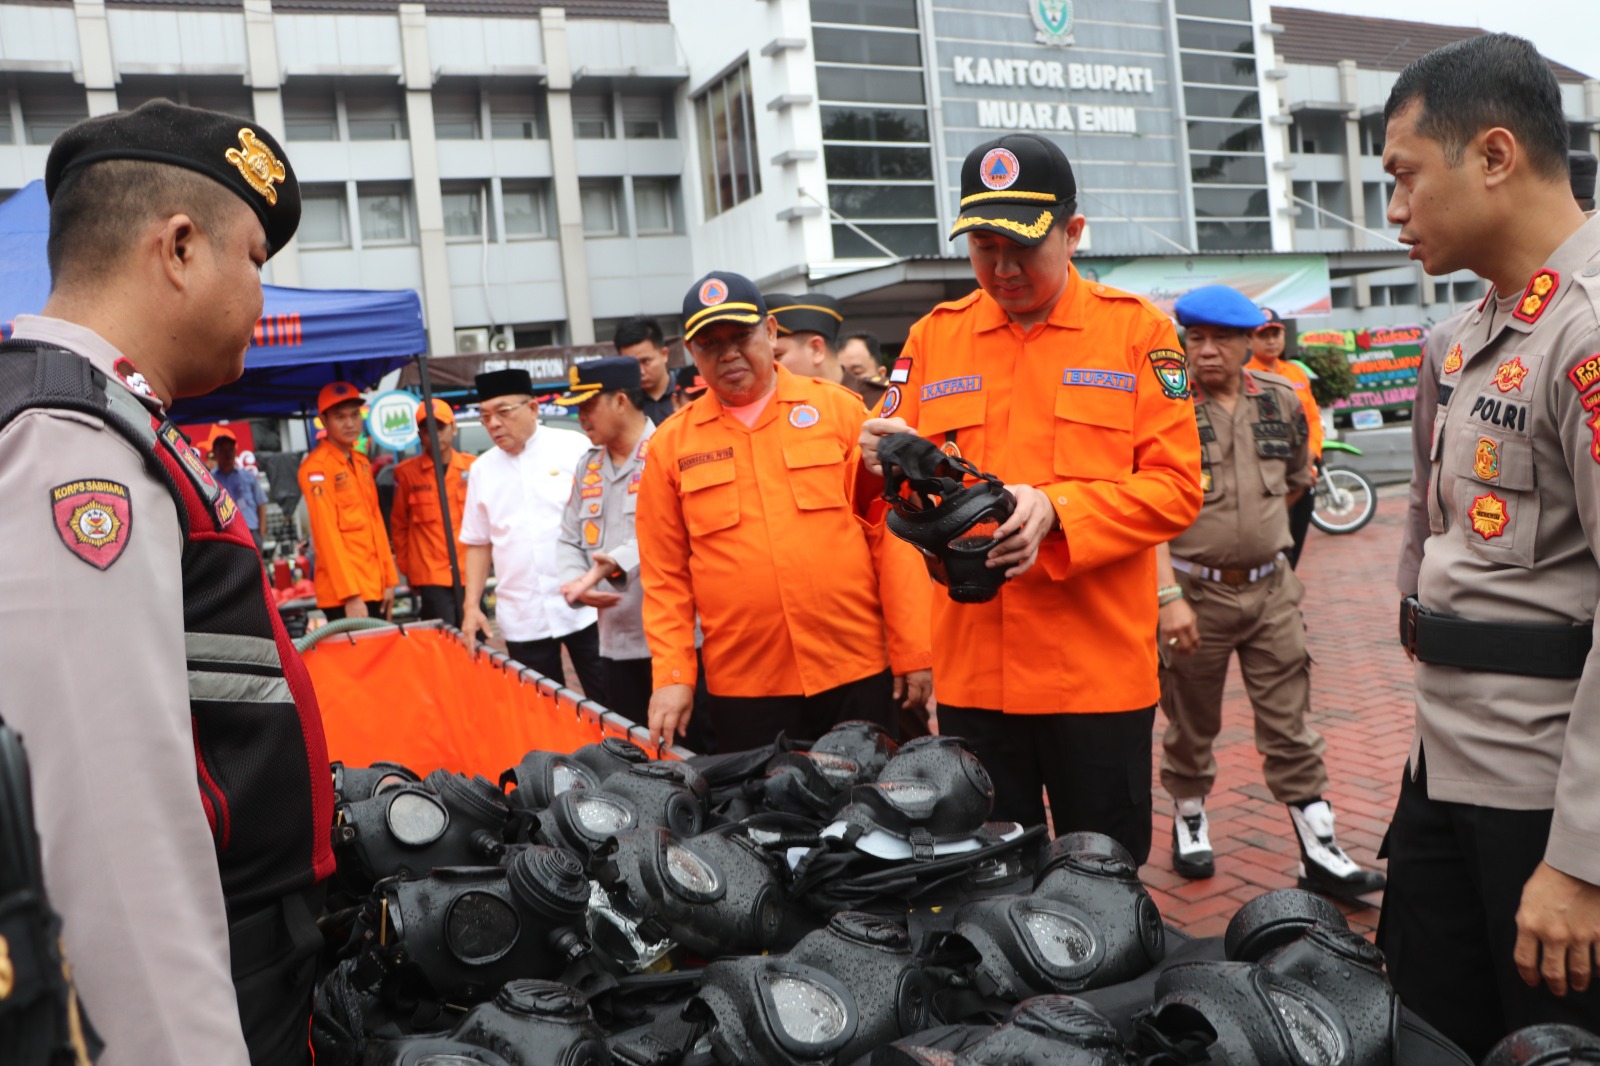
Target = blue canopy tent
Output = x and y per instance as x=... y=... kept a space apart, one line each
x=305 y=338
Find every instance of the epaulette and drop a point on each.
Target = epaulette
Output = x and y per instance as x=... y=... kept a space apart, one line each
x=847 y=390
x=1269 y=378
x=958 y=305
x=1588 y=280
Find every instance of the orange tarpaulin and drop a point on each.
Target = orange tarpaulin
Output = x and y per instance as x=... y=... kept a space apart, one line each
x=415 y=695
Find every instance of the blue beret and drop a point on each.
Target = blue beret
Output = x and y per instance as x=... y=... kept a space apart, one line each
x=1218 y=305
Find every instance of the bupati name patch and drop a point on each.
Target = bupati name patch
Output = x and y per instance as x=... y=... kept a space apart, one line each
x=951 y=387
x=1100 y=379
x=698 y=458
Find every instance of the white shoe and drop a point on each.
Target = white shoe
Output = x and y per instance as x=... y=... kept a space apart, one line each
x=1325 y=868
x=1191 y=842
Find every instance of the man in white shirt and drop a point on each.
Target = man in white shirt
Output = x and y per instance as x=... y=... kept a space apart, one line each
x=516 y=493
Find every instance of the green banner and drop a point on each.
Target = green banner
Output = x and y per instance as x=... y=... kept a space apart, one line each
x=1295 y=286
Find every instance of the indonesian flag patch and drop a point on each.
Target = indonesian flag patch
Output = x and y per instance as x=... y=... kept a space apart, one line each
x=93 y=518
x=901 y=372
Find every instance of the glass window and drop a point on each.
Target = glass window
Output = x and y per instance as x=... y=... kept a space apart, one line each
x=375 y=115
x=883 y=201
x=1307 y=218
x=1468 y=291
x=463 y=211
x=1217 y=9
x=1332 y=196
x=845 y=161
x=874 y=124
x=48 y=109
x=858 y=46
x=5 y=127
x=1230 y=203
x=729 y=155
x=652 y=206
x=309 y=111
x=870 y=86
x=1342 y=297
x=525 y=210
x=1404 y=294
x=1222 y=103
x=1218 y=70
x=591 y=116
x=385 y=215
x=1225 y=136
x=516 y=116
x=1246 y=235
x=1227 y=169
x=644 y=118
x=455 y=114
x=599 y=201
x=324 y=217
x=919 y=239
x=866 y=12
x=1216 y=37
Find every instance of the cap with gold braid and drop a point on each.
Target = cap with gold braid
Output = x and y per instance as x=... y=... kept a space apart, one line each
x=611 y=374
x=812 y=312
x=1018 y=186
x=721 y=296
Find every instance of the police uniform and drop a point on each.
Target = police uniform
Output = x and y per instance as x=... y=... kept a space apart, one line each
x=180 y=772
x=1053 y=682
x=420 y=548
x=1504 y=769
x=599 y=517
x=1439 y=345
x=1300 y=513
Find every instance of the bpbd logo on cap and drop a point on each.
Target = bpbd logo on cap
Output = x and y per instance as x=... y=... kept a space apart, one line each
x=713 y=292
x=999 y=169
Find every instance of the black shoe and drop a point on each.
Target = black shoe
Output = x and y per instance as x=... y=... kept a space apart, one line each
x=1191 y=846
x=1325 y=868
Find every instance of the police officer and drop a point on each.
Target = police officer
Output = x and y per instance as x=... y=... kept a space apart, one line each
x=180 y=769
x=1235 y=592
x=1076 y=395
x=1492 y=913
x=598 y=552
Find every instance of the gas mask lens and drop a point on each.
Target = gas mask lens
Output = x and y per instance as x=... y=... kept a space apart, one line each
x=417 y=818
x=689 y=871
x=835 y=768
x=480 y=927
x=563 y=778
x=602 y=816
x=1060 y=942
x=808 y=1013
x=1316 y=1040
x=909 y=796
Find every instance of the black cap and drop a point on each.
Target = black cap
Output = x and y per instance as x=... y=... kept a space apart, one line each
x=1273 y=319
x=503 y=383
x=813 y=312
x=721 y=296
x=1017 y=186
x=236 y=152
x=1581 y=170
x=610 y=374
x=689 y=380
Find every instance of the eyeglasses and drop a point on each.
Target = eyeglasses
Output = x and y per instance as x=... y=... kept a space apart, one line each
x=499 y=414
x=715 y=348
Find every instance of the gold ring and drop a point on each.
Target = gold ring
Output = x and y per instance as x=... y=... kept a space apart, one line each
x=1172 y=642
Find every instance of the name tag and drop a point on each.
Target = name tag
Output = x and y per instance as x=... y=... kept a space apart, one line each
x=951 y=387
x=1099 y=379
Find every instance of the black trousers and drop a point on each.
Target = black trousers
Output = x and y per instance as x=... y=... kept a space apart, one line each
x=374 y=610
x=628 y=687
x=274 y=956
x=744 y=722
x=438 y=601
x=1096 y=768
x=1448 y=926
x=545 y=657
x=1299 y=524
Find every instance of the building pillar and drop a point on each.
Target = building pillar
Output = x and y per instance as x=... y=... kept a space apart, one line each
x=437 y=308
x=1349 y=95
x=266 y=98
x=564 y=180
x=94 y=51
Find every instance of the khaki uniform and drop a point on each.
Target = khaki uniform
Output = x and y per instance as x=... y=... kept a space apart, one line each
x=1423 y=409
x=1514 y=512
x=1245 y=596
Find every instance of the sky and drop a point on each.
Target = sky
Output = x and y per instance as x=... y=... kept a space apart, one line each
x=1567 y=31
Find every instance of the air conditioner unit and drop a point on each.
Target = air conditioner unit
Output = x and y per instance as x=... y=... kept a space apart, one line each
x=503 y=341
x=472 y=341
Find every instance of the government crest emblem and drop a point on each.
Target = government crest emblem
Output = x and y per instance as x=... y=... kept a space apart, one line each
x=1053 y=20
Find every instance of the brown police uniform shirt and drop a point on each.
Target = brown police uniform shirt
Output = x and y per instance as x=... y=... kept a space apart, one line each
x=1250 y=459
x=1514 y=509
x=1424 y=409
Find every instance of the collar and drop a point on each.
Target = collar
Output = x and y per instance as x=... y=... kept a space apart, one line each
x=1068 y=313
x=1550 y=281
x=86 y=342
x=708 y=408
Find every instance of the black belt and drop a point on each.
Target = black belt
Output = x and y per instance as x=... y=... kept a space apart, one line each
x=1496 y=647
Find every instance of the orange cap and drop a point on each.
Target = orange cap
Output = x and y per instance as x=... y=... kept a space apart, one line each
x=219 y=433
x=335 y=393
x=441 y=412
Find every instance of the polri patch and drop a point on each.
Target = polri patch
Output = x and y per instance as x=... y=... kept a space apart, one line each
x=1489 y=516
x=1100 y=379
x=93 y=518
x=1586 y=374
x=1510 y=374
x=891 y=402
x=803 y=416
x=1172 y=371
x=952 y=387
x=1536 y=297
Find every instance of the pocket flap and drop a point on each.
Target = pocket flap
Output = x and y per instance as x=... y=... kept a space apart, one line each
x=1096 y=407
x=705 y=475
x=950 y=412
x=819 y=452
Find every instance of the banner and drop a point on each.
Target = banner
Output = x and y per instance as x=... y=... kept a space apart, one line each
x=1295 y=286
x=1384 y=360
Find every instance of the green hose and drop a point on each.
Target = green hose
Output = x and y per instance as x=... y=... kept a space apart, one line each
x=343 y=625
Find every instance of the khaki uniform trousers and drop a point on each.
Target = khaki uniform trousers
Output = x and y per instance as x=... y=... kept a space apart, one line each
x=1262 y=622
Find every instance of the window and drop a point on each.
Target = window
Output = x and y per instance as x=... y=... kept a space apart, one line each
x=1228 y=169
x=1342 y=297
x=645 y=118
x=1223 y=103
x=865 y=85
x=652 y=207
x=6 y=136
x=591 y=116
x=1235 y=37
x=525 y=209
x=455 y=114
x=1376 y=200
x=1224 y=136
x=599 y=200
x=1240 y=234
x=375 y=115
x=865 y=46
x=49 y=107
x=1218 y=70
x=1403 y=295
x=874 y=124
x=324 y=217
x=310 y=112
x=1230 y=203
x=1227 y=157
x=729 y=156
x=464 y=204
x=517 y=115
x=227 y=95
x=1307 y=218
x=901 y=13
x=1468 y=291
x=1238 y=10
x=385 y=214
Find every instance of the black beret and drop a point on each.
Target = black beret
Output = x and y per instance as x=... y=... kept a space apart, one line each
x=494 y=383
x=236 y=152
x=813 y=312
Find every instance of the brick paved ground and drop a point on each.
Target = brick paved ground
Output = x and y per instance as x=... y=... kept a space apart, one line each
x=1361 y=703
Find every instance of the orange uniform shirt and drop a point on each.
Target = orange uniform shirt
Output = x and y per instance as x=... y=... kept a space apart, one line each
x=752 y=529
x=1090 y=406
x=1302 y=388
x=353 y=557
x=415 y=521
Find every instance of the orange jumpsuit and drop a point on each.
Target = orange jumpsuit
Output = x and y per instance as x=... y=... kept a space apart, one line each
x=1089 y=406
x=1302 y=388
x=418 y=528
x=752 y=528
x=353 y=557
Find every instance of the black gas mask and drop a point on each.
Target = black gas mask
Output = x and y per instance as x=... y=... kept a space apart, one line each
x=528 y=1023
x=1546 y=1045
x=951 y=522
x=841 y=992
x=669 y=794
x=934 y=791
x=714 y=894
x=541 y=776
x=462 y=932
x=446 y=820
x=817 y=782
x=1049 y=1031
x=352 y=783
x=611 y=755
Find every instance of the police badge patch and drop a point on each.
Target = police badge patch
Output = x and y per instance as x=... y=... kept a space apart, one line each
x=93 y=518
x=1172 y=371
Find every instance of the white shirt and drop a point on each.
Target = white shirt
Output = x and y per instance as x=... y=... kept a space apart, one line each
x=514 y=503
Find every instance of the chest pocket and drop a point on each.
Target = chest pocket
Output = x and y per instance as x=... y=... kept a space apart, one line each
x=1496 y=494
x=1094 y=433
x=954 y=417
x=816 y=473
x=710 y=497
x=424 y=503
x=350 y=507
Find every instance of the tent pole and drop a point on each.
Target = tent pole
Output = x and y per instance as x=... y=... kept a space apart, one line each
x=439 y=482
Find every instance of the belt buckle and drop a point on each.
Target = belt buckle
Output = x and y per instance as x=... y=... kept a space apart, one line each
x=1410 y=612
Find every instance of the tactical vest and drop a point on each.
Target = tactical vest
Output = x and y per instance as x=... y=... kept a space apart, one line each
x=1274 y=433
x=261 y=762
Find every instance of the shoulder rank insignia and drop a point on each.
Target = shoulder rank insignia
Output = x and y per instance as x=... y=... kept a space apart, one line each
x=1488 y=515
x=93 y=518
x=1172 y=371
x=1536 y=296
x=1452 y=359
